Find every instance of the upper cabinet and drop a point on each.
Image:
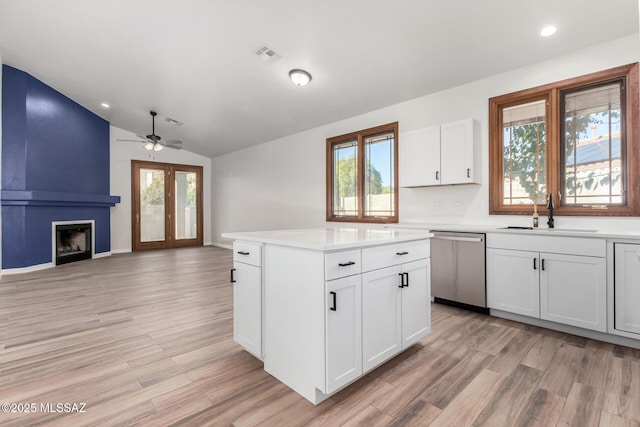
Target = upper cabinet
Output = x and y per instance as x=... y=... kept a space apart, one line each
x=440 y=155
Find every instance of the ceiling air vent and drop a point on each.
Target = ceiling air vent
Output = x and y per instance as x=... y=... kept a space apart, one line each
x=266 y=54
x=174 y=121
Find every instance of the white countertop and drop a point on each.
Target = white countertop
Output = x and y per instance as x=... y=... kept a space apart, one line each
x=541 y=231
x=329 y=239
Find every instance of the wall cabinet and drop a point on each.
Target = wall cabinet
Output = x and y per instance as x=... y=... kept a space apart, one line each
x=440 y=155
x=559 y=279
x=627 y=287
x=247 y=296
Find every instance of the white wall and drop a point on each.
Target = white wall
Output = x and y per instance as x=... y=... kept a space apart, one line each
x=281 y=183
x=121 y=155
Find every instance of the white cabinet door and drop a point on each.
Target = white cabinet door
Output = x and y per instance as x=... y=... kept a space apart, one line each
x=381 y=315
x=573 y=290
x=457 y=151
x=419 y=157
x=247 y=307
x=416 y=302
x=344 y=331
x=627 y=287
x=513 y=282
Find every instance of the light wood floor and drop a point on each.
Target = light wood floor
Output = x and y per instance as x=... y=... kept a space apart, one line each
x=146 y=339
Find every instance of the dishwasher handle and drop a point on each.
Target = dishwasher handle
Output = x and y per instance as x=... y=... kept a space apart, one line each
x=460 y=239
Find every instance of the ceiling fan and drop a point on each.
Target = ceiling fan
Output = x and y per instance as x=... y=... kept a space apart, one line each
x=154 y=142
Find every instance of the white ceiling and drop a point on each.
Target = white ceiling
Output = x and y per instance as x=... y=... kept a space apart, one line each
x=195 y=61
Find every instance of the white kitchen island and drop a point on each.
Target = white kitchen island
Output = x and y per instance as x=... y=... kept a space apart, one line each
x=322 y=307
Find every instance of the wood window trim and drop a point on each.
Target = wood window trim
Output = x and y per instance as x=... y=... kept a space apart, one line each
x=360 y=136
x=551 y=93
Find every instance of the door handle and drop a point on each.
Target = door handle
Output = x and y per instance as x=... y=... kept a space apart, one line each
x=407 y=279
x=437 y=175
x=542 y=264
x=468 y=173
x=233 y=279
x=335 y=301
x=535 y=263
x=401 y=280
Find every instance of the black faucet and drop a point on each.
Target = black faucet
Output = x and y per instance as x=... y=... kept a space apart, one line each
x=550 y=207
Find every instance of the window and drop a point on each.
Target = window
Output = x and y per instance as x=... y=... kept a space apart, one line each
x=576 y=140
x=362 y=172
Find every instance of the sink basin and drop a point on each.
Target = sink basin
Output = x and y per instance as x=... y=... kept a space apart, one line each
x=568 y=230
x=565 y=230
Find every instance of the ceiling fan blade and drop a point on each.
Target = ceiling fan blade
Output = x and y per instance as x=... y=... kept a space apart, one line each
x=172 y=141
x=130 y=140
x=176 y=147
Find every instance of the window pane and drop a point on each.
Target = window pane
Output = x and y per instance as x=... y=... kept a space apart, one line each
x=379 y=185
x=591 y=146
x=345 y=178
x=185 y=195
x=151 y=205
x=524 y=148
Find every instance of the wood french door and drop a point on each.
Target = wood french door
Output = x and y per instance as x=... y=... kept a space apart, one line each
x=166 y=205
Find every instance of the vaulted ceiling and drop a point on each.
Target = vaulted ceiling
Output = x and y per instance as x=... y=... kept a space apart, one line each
x=195 y=60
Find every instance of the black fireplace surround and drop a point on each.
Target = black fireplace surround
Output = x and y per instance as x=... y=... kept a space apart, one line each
x=73 y=243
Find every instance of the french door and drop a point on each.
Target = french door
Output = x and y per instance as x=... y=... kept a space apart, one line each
x=166 y=205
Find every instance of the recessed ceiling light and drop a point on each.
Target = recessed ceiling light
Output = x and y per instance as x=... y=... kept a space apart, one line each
x=547 y=31
x=105 y=105
x=300 y=77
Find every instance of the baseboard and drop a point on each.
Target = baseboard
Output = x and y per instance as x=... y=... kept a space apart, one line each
x=121 y=251
x=102 y=255
x=222 y=245
x=29 y=269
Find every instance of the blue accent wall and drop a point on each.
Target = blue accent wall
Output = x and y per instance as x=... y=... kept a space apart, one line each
x=55 y=167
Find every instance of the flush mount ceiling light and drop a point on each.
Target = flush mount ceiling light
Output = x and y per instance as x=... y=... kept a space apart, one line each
x=547 y=31
x=300 y=77
x=105 y=105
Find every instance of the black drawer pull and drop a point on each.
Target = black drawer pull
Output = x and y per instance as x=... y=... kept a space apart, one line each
x=335 y=301
x=346 y=264
x=535 y=263
x=542 y=264
x=402 y=253
x=243 y=253
x=401 y=280
x=233 y=279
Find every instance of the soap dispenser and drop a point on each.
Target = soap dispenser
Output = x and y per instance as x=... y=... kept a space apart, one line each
x=535 y=214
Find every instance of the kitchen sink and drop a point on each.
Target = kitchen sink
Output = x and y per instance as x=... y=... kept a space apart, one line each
x=566 y=230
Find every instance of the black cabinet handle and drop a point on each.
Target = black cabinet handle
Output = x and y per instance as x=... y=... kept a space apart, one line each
x=243 y=253
x=542 y=264
x=335 y=301
x=346 y=264
x=468 y=173
x=437 y=175
x=407 y=276
x=401 y=280
x=535 y=263
x=233 y=279
x=402 y=253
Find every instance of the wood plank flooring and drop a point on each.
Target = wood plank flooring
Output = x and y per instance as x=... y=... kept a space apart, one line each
x=146 y=339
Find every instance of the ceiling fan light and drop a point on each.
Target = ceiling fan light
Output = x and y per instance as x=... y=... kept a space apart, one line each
x=300 y=77
x=157 y=147
x=148 y=146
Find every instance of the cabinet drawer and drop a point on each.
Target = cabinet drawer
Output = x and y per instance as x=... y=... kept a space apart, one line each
x=342 y=264
x=397 y=253
x=247 y=252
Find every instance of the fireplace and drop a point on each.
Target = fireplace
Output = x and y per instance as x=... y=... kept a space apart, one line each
x=73 y=242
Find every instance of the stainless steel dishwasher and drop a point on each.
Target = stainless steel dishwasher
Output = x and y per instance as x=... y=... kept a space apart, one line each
x=458 y=270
